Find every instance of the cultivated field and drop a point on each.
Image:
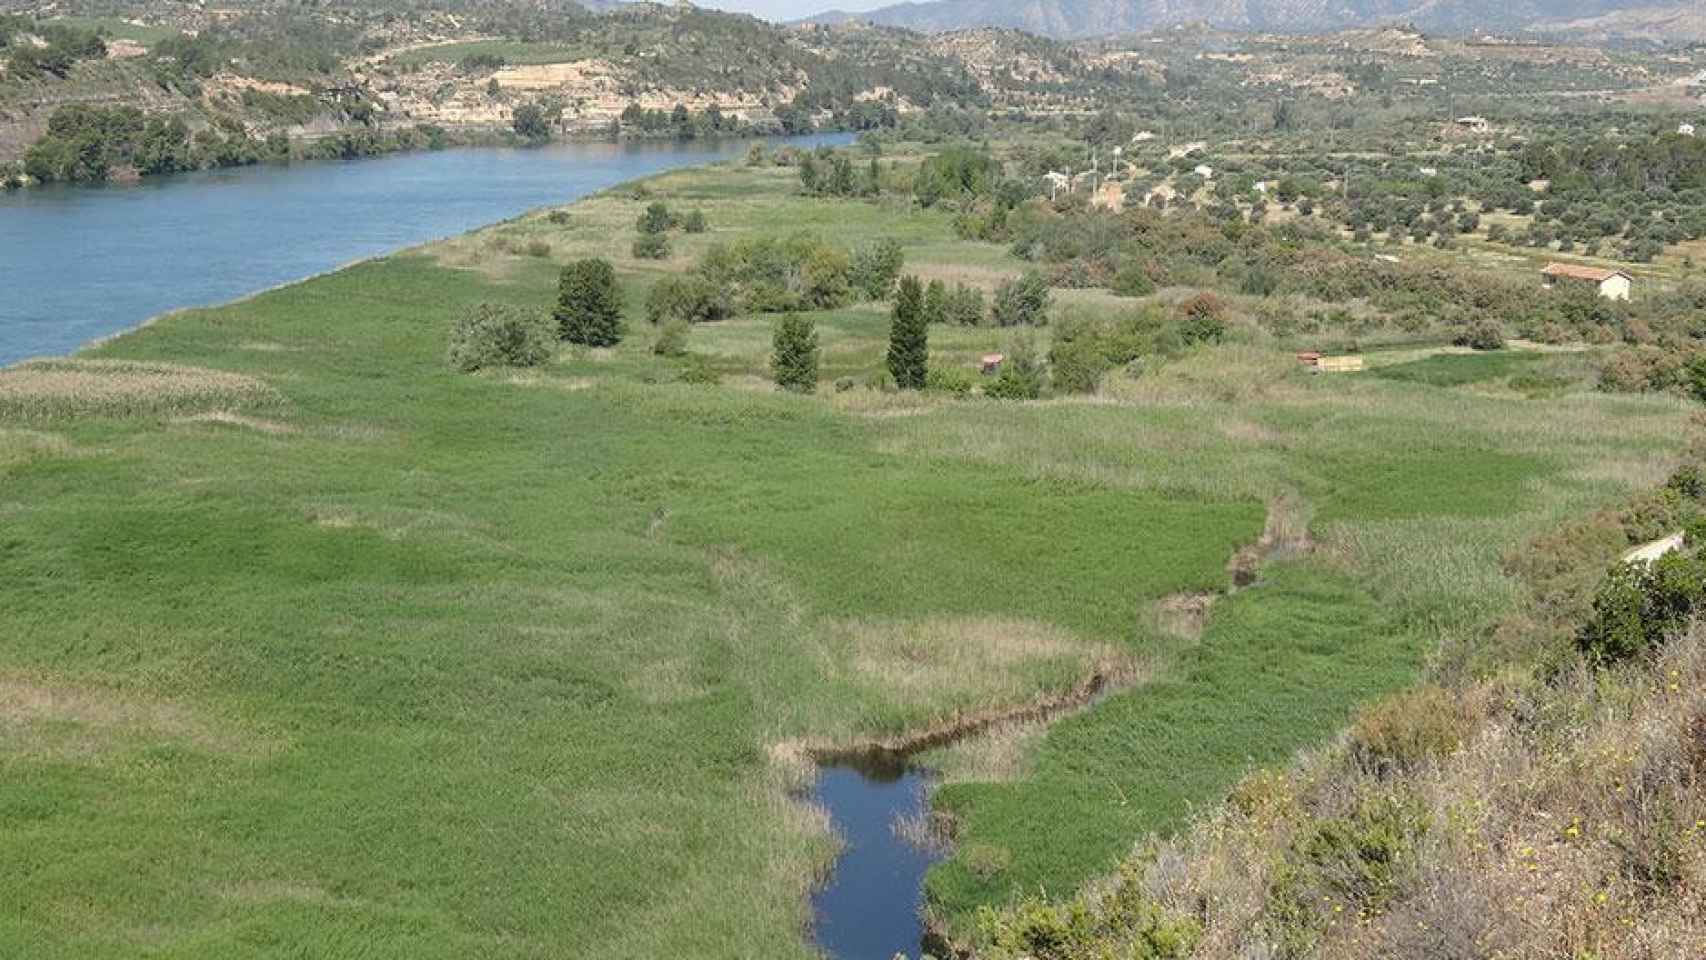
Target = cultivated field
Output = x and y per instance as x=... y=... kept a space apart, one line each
x=325 y=650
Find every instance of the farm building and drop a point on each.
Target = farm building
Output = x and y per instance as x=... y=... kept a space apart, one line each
x=1612 y=284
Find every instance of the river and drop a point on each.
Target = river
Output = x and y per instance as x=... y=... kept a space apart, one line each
x=79 y=263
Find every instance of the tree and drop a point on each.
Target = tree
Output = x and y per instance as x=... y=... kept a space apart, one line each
x=589 y=304
x=909 y=337
x=794 y=358
x=530 y=123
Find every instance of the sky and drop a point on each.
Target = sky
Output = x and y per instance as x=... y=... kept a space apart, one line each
x=792 y=9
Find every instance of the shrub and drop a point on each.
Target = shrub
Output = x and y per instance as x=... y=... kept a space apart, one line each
x=689 y=299
x=1409 y=728
x=965 y=306
x=1639 y=607
x=1132 y=280
x=498 y=335
x=656 y=219
x=1023 y=302
x=876 y=267
x=589 y=304
x=694 y=222
x=1696 y=373
x=824 y=277
x=950 y=380
x=561 y=218
x=538 y=248
x=1077 y=361
x=1021 y=376
x=909 y=337
x=793 y=361
x=672 y=339
x=1202 y=319
x=936 y=302
x=651 y=246
x=698 y=371
x=1482 y=335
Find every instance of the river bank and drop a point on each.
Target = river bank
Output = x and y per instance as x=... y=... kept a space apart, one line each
x=86 y=262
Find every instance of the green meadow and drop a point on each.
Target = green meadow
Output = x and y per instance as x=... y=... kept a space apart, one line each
x=318 y=649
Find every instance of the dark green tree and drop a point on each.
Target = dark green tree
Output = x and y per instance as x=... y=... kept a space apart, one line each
x=909 y=337
x=530 y=123
x=589 y=304
x=794 y=360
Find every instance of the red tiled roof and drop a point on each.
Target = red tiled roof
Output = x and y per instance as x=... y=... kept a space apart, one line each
x=1578 y=272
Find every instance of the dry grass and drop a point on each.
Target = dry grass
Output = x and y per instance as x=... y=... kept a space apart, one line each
x=21 y=447
x=229 y=419
x=46 y=718
x=47 y=389
x=1002 y=754
x=970 y=658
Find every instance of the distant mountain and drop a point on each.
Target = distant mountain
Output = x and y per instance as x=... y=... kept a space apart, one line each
x=1076 y=19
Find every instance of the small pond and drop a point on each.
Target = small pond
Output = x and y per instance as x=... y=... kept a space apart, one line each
x=871 y=906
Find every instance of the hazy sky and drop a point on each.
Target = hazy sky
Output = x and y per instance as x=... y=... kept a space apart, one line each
x=792 y=9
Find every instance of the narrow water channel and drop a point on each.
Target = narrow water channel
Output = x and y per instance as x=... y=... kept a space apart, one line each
x=871 y=907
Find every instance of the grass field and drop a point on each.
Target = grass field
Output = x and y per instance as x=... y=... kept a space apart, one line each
x=333 y=652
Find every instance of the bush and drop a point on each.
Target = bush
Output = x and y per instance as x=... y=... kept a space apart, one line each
x=657 y=219
x=1132 y=280
x=1638 y=607
x=1021 y=376
x=1023 y=302
x=651 y=246
x=694 y=222
x=589 y=304
x=965 y=306
x=824 y=278
x=793 y=361
x=876 y=267
x=538 y=248
x=1482 y=335
x=498 y=335
x=672 y=339
x=698 y=371
x=1076 y=361
x=689 y=299
x=1202 y=319
x=936 y=302
x=950 y=380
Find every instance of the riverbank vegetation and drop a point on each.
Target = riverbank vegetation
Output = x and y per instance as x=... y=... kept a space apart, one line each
x=596 y=610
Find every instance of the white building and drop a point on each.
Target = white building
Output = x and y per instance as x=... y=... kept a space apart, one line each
x=1612 y=284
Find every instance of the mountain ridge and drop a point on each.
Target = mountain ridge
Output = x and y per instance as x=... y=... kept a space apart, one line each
x=1083 y=19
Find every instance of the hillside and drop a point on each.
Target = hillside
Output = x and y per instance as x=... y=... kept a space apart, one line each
x=365 y=79
x=1078 y=19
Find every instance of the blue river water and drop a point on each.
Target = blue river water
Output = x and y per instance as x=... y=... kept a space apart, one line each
x=80 y=263
x=871 y=906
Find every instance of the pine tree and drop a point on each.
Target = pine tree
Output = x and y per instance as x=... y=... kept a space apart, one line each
x=794 y=362
x=909 y=337
x=589 y=304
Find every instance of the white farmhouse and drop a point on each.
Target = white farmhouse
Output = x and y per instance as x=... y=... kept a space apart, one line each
x=1612 y=284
